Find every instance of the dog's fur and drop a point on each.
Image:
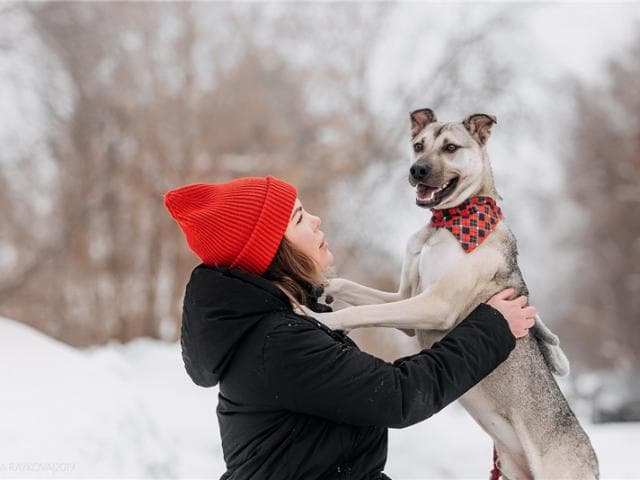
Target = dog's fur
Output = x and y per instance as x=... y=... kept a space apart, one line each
x=519 y=404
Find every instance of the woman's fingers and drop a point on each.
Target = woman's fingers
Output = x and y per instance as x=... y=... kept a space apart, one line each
x=504 y=294
x=527 y=320
x=519 y=333
x=519 y=315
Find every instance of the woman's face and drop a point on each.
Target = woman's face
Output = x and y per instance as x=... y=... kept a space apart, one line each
x=304 y=233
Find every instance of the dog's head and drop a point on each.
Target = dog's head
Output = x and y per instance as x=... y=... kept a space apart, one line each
x=448 y=161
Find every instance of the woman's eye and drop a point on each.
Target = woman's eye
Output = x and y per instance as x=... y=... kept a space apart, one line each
x=451 y=147
x=417 y=147
x=299 y=219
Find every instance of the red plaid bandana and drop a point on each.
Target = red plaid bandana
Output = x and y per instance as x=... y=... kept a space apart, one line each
x=471 y=222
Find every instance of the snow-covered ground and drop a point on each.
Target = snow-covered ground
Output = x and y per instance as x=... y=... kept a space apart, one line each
x=131 y=411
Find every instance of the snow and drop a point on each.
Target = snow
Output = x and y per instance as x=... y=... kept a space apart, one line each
x=131 y=411
x=110 y=411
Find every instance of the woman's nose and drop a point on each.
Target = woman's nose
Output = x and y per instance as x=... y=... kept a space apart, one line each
x=316 y=221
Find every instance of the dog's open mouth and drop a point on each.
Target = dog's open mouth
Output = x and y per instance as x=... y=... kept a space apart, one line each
x=429 y=196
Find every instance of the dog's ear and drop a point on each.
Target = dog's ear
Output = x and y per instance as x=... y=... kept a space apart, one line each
x=479 y=126
x=420 y=119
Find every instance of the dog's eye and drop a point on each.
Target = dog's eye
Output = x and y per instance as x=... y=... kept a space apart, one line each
x=417 y=147
x=450 y=147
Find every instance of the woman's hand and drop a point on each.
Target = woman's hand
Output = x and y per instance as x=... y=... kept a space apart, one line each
x=519 y=316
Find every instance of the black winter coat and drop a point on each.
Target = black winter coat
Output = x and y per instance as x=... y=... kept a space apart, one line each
x=300 y=401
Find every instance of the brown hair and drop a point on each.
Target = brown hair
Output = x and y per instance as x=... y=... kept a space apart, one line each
x=295 y=273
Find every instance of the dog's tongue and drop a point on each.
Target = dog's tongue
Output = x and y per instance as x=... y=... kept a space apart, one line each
x=425 y=191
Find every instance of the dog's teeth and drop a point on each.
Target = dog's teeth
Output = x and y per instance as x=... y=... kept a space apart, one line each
x=427 y=197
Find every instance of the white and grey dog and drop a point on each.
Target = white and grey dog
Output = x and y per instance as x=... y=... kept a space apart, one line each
x=536 y=435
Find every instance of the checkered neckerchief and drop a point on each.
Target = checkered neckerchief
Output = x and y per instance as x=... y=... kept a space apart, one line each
x=471 y=222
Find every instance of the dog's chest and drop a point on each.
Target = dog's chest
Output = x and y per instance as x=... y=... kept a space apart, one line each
x=439 y=253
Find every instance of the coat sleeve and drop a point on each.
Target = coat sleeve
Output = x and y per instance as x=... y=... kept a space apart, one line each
x=308 y=371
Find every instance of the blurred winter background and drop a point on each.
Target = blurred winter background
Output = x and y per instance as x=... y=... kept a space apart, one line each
x=105 y=106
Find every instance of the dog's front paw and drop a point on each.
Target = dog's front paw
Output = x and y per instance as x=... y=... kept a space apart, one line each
x=304 y=310
x=329 y=319
x=333 y=290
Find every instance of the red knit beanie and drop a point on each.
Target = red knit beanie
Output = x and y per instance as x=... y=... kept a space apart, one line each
x=237 y=224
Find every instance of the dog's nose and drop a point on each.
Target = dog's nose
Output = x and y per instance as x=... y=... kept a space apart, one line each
x=419 y=171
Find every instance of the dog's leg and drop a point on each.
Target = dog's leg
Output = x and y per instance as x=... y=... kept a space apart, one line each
x=427 y=310
x=356 y=294
x=437 y=308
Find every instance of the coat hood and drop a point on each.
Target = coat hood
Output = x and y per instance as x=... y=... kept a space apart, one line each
x=220 y=306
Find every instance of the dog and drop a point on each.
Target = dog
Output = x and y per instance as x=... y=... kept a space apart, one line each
x=446 y=273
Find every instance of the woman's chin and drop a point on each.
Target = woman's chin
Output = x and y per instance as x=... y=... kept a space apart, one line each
x=327 y=259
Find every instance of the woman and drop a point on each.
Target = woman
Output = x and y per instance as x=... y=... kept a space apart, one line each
x=296 y=399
